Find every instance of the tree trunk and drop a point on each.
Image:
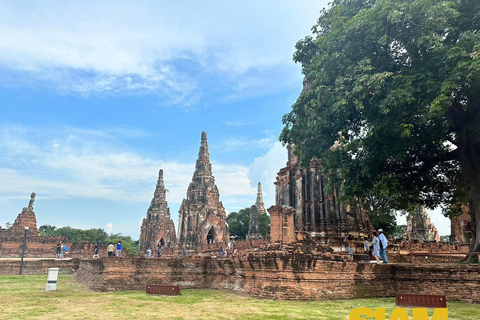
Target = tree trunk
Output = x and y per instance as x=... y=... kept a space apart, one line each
x=474 y=205
x=469 y=156
x=470 y=160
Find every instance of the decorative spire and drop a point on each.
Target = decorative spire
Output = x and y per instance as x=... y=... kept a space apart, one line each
x=203 y=166
x=259 y=203
x=158 y=206
x=157 y=225
x=159 y=194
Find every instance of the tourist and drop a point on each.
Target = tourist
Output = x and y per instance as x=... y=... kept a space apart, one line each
x=376 y=246
x=184 y=252
x=366 y=248
x=149 y=252
x=220 y=252
x=118 y=252
x=350 y=244
x=383 y=246
x=95 y=251
x=59 y=250
x=110 y=249
x=159 y=249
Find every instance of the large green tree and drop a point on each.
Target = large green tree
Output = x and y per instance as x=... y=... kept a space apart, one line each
x=238 y=223
x=391 y=101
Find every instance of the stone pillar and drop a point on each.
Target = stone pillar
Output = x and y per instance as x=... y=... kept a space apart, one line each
x=282 y=227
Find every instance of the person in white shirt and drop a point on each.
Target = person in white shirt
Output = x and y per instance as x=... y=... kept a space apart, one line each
x=383 y=246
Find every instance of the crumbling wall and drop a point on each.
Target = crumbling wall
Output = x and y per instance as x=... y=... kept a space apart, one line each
x=284 y=276
x=12 y=267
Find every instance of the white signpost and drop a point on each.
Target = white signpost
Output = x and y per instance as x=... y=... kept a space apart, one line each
x=52 y=277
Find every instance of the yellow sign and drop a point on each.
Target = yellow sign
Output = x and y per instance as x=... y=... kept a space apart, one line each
x=397 y=314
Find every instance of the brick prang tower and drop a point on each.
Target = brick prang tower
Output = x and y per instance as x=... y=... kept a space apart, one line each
x=202 y=215
x=157 y=227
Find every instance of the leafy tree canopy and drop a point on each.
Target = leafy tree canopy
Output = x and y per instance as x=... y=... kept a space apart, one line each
x=391 y=100
x=238 y=223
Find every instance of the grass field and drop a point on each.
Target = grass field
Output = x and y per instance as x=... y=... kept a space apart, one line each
x=24 y=297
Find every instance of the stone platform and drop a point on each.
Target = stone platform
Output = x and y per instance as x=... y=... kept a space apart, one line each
x=284 y=276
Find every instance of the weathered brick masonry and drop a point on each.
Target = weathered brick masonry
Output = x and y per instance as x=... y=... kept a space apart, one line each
x=11 y=245
x=12 y=267
x=283 y=276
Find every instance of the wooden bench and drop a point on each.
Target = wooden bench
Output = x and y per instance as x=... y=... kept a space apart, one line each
x=421 y=300
x=165 y=290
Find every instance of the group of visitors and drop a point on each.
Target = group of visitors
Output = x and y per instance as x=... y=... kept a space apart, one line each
x=230 y=249
x=159 y=250
x=114 y=250
x=377 y=250
x=61 y=250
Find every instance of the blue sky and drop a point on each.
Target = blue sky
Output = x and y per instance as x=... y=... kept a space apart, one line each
x=96 y=97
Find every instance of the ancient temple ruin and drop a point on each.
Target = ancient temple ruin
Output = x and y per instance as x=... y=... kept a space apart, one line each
x=26 y=219
x=255 y=211
x=259 y=202
x=461 y=227
x=202 y=215
x=419 y=227
x=305 y=210
x=157 y=227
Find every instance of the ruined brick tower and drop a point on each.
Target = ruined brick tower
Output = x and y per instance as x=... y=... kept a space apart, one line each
x=26 y=219
x=461 y=227
x=419 y=226
x=304 y=210
x=201 y=215
x=157 y=226
x=255 y=210
x=259 y=203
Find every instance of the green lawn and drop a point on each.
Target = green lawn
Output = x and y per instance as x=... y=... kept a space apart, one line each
x=23 y=297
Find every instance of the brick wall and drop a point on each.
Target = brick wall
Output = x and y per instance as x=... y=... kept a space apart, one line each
x=283 y=276
x=12 y=267
x=44 y=247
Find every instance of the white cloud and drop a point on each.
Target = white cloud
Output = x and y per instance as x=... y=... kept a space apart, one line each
x=242 y=143
x=94 y=165
x=239 y=123
x=264 y=169
x=108 y=228
x=123 y=47
x=232 y=180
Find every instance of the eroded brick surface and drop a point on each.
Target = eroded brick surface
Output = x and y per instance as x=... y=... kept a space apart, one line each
x=284 y=276
x=157 y=227
x=202 y=215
